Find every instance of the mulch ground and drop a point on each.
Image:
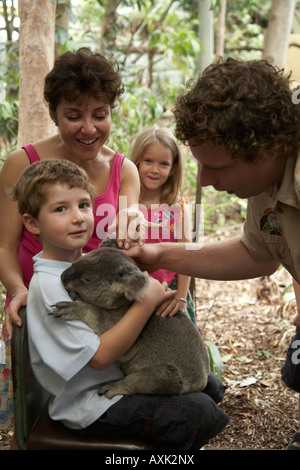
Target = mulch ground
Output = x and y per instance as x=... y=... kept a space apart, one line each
x=252 y=325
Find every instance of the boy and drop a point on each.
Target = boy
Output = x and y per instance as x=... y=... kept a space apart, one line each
x=55 y=199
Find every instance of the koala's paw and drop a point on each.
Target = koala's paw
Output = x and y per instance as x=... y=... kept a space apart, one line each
x=110 y=389
x=65 y=310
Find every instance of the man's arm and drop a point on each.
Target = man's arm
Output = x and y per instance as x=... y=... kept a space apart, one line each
x=224 y=261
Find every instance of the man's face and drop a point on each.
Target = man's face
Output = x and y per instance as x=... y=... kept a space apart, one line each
x=234 y=175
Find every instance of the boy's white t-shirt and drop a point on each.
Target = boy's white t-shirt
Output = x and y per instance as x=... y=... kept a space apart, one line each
x=60 y=351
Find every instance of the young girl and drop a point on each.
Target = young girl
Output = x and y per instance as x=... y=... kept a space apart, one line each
x=159 y=162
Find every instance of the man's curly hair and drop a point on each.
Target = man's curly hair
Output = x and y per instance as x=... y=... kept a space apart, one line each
x=245 y=105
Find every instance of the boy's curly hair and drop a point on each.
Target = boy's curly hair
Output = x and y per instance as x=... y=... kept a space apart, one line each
x=31 y=189
x=245 y=105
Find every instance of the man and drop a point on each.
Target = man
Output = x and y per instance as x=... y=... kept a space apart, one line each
x=242 y=126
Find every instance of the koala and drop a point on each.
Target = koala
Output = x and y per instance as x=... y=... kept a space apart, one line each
x=168 y=357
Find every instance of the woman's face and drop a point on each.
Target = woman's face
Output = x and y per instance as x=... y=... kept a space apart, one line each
x=84 y=125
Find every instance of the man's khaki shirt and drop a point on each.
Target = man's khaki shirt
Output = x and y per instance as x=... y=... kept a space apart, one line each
x=272 y=227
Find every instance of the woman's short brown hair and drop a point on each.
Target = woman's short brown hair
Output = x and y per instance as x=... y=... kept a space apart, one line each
x=245 y=105
x=82 y=72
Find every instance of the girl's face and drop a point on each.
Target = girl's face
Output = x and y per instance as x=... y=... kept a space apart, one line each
x=84 y=126
x=155 y=166
x=65 y=222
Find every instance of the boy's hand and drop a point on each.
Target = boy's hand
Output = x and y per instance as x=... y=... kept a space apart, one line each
x=169 y=306
x=156 y=294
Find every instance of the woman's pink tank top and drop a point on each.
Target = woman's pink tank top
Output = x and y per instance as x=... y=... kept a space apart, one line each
x=105 y=209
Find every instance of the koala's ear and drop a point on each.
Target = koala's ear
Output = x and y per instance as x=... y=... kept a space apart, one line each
x=109 y=243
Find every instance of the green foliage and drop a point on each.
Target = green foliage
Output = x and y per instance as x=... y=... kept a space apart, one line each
x=9 y=79
x=8 y=124
x=215 y=360
x=137 y=110
x=190 y=174
x=245 y=24
x=221 y=208
x=264 y=353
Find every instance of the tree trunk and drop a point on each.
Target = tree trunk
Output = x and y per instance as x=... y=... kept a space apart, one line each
x=277 y=35
x=108 y=26
x=205 y=34
x=220 y=30
x=37 y=29
x=9 y=14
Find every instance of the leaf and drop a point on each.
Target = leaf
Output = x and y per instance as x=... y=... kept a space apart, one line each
x=268 y=382
x=248 y=381
x=6 y=110
x=215 y=359
x=245 y=359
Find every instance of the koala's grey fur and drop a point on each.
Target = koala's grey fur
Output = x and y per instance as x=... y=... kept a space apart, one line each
x=168 y=357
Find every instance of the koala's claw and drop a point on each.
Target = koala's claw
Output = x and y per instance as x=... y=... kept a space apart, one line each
x=64 y=304
x=61 y=309
x=109 y=390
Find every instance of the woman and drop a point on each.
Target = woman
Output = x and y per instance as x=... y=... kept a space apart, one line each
x=81 y=91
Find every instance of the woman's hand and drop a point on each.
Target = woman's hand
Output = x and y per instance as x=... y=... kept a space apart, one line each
x=130 y=226
x=12 y=312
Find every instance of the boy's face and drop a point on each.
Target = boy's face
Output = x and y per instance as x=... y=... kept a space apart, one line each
x=65 y=222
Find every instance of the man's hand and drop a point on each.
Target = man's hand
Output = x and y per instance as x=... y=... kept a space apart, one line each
x=146 y=257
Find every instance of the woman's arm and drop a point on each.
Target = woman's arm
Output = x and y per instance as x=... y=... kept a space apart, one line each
x=128 y=198
x=10 y=233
